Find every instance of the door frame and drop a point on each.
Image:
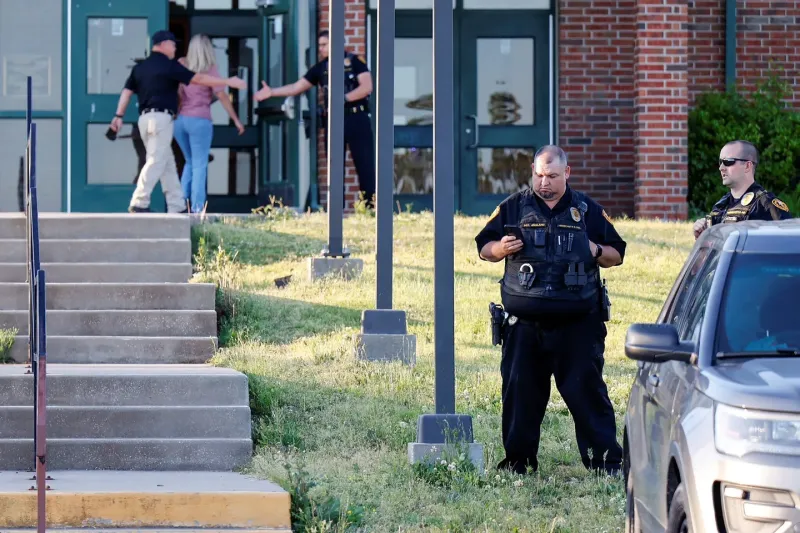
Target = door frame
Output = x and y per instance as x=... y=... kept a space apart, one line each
x=511 y=24
x=418 y=23
x=86 y=109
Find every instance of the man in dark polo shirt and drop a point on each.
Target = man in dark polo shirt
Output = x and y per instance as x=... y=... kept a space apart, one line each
x=155 y=81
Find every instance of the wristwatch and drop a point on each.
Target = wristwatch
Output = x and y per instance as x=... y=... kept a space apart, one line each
x=599 y=251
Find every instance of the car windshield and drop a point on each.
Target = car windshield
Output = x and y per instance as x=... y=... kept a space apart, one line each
x=759 y=311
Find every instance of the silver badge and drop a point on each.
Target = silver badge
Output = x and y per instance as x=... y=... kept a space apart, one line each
x=512 y=320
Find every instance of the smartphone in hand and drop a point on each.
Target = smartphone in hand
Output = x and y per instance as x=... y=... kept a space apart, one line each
x=513 y=230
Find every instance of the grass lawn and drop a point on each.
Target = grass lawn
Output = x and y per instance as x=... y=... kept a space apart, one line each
x=322 y=418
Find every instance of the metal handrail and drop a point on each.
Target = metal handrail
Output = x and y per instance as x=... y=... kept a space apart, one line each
x=37 y=320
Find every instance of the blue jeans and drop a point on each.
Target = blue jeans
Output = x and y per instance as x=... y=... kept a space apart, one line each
x=194 y=136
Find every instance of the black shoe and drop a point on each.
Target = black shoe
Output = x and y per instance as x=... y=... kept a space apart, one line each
x=134 y=209
x=516 y=466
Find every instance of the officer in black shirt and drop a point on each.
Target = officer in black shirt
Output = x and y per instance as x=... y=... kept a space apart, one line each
x=155 y=81
x=747 y=199
x=357 y=118
x=554 y=240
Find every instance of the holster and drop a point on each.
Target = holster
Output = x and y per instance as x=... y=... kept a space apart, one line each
x=497 y=322
x=605 y=301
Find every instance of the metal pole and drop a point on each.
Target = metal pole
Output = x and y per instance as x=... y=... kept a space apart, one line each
x=384 y=141
x=443 y=206
x=335 y=127
x=263 y=126
x=41 y=405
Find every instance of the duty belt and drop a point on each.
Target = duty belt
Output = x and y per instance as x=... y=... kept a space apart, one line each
x=157 y=110
x=357 y=109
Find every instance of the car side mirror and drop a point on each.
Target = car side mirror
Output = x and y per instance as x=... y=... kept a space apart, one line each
x=657 y=343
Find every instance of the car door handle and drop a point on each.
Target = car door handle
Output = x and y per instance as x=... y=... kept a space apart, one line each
x=653 y=380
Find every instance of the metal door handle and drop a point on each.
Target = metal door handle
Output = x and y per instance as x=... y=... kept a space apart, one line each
x=653 y=380
x=477 y=135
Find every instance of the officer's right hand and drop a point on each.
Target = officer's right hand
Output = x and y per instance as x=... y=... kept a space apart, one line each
x=509 y=245
x=699 y=227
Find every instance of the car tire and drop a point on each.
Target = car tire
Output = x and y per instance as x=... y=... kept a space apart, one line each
x=632 y=524
x=678 y=520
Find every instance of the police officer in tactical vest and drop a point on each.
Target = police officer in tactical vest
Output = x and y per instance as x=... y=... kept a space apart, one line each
x=554 y=240
x=357 y=119
x=747 y=200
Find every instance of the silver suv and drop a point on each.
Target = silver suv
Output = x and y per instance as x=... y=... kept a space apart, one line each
x=712 y=428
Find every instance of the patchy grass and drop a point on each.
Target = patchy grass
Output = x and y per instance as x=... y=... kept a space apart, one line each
x=7 y=337
x=335 y=431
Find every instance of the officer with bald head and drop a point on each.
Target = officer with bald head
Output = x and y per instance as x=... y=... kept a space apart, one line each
x=554 y=241
x=747 y=199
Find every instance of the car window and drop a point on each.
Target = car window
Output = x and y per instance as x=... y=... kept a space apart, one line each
x=696 y=310
x=682 y=298
x=758 y=311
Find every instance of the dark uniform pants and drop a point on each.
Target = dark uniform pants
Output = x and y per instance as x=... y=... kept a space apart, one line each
x=572 y=352
x=359 y=139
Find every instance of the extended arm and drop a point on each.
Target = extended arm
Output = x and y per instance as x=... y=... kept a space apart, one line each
x=292 y=89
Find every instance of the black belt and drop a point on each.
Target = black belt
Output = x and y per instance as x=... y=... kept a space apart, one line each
x=157 y=110
x=357 y=109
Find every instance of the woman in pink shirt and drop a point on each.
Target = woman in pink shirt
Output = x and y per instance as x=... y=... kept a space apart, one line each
x=194 y=128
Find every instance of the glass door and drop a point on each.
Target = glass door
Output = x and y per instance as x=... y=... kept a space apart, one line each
x=505 y=104
x=232 y=184
x=107 y=39
x=413 y=109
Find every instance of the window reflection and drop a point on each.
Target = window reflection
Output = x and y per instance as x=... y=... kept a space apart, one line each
x=504 y=170
x=413 y=170
x=113 y=45
x=505 y=81
x=413 y=82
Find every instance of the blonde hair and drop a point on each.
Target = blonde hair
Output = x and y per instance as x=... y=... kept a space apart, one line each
x=200 y=56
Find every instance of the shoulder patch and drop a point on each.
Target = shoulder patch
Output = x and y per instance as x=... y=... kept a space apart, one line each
x=495 y=213
x=362 y=59
x=780 y=205
x=347 y=61
x=605 y=215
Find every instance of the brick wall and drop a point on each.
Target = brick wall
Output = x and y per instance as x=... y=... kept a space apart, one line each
x=355 y=42
x=706 y=47
x=661 y=108
x=768 y=31
x=596 y=98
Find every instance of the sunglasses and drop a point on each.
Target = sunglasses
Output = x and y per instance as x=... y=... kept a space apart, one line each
x=732 y=161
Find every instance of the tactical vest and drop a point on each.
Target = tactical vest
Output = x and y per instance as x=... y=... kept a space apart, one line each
x=555 y=272
x=736 y=213
x=350 y=80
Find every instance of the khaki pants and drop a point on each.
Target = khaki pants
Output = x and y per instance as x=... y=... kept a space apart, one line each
x=156 y=130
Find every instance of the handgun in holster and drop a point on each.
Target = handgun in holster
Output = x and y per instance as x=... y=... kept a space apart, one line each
x=497 y=322
x=605 y=302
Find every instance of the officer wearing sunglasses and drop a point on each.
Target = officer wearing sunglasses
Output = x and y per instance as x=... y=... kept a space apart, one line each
x=747 y=200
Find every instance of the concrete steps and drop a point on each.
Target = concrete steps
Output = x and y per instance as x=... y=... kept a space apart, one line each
x=101 y=250
x=141 y=434
x=121 y=350
x=114 y=323
x=147 y=501
x=129 y=417
x=113 y=296
x=101 y=272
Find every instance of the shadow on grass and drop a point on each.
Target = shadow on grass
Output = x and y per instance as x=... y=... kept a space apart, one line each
x=256 y=246
x=272 y=320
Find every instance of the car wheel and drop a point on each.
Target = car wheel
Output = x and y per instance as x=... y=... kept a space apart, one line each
x=678 y=520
